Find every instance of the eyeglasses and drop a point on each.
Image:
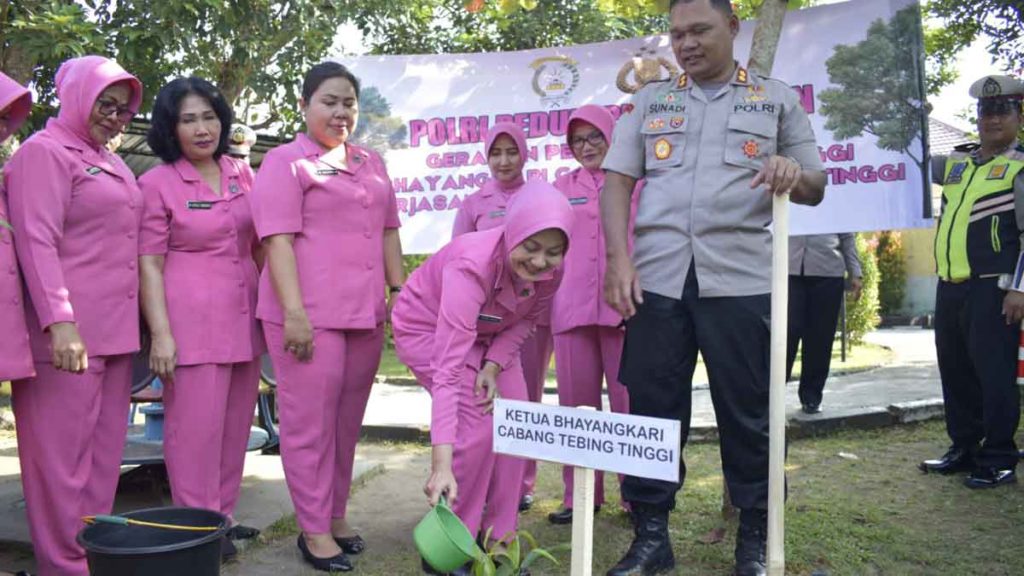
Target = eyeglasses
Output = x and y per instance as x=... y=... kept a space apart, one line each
x=998 y=106
x=595 y=139
x=108 y=107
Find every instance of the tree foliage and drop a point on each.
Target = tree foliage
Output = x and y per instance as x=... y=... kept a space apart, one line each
x=254 y=51
x=447 y=26
x=880 y=92
x=1002 y=21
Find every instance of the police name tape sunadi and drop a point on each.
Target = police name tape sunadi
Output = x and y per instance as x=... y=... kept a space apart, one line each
x=429 y=114
x=635 y=445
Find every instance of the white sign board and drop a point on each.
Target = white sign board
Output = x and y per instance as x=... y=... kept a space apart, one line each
x=634 y=445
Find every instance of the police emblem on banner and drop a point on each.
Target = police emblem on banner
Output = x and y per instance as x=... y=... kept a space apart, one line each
x=645 y=66
x=956 y=174
x=751 y=149
x=554 y=79
x=662 y=149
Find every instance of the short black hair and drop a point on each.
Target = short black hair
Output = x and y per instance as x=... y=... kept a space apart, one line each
x=723 y=6
x=324 y=71
x=163 y=134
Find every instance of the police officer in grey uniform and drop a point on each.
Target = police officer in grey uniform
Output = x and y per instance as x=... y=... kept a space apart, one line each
x=714 y=144
x=979 y=302
x=820 y=265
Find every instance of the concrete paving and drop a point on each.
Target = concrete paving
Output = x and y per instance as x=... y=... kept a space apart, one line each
x=908 y=389
x=403 y=411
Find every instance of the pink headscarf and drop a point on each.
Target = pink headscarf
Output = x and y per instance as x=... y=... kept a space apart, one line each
x=598 y=116
x=516 y=134
x=537 y=206
x=17 y=98
x=80 y=81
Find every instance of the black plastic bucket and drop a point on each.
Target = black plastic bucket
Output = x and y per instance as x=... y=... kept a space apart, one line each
x=119 y=550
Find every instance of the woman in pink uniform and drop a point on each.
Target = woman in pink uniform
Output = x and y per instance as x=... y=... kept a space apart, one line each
x=328 y=218
x=75 y=208
x=199 y=283
x=460 y=324
x=485 y=209
x=15 y=352
x=588 y=336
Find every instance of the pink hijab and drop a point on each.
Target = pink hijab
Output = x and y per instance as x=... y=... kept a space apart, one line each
x=516 y=134
x=536 y=207
x=80 y=81
x=599 y=117
x=16 y=98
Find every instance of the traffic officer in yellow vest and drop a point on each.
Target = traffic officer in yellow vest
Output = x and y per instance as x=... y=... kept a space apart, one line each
x=980 y=300
x=713 y=144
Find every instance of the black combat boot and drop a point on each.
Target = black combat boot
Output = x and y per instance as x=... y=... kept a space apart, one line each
x=651 y=550
x=751 y=543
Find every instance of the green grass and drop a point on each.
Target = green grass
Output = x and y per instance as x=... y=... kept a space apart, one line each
x=862 y=357
x=876 y=514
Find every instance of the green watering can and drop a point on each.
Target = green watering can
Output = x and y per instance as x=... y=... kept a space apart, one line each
x=443 y=540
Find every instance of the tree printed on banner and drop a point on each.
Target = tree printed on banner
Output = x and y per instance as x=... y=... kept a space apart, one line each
x=880 y=86
x=377 y=128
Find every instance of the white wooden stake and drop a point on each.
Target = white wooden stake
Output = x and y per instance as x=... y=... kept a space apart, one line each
x=582 y=521
x=777 y=395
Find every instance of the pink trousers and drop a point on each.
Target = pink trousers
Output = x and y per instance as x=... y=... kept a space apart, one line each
x=584 y=357
x=208 y=412
x=536 y=359
x=321 y=405
x=71 y=432
x=488 y=483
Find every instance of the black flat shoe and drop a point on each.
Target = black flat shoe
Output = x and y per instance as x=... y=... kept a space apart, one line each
x=526 y=502
x=351 y=544
x=564 y=516
x=240 y=532
x=990 y=478
x=810 y=408
x=339 y=563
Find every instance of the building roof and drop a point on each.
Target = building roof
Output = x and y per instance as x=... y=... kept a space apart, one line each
x=942 y=137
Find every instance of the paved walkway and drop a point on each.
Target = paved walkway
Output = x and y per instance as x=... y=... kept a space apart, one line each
x=909 y=383
x=905 y=390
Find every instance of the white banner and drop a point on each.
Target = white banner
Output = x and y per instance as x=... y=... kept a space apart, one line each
x=429 y=114
x=634 y=445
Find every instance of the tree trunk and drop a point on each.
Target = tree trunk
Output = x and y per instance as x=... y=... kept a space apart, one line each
x=766 y=36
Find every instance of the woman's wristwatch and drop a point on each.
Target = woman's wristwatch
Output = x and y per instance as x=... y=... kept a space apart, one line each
x=394 y=289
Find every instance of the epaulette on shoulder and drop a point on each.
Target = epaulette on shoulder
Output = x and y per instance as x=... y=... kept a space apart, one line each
x=1016 y=154
x=967 y=148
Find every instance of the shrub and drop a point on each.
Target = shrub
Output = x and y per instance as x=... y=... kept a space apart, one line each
x=862 y=315
x=892 y=272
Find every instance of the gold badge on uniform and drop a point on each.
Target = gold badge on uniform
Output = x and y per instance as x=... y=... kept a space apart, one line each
x=681 y=82
x=741 y=75
x=755 y=94
x=751 y=149
x=656 y=124
x=662 y=149
x=997 y=172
